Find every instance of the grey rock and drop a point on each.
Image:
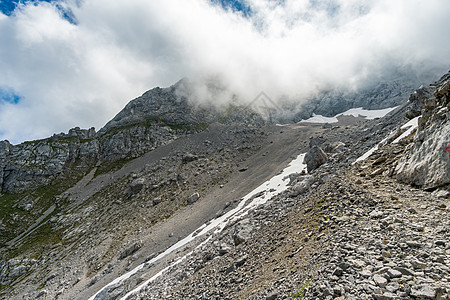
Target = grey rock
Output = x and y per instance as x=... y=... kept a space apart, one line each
x=224 y=249
x=394 y=273
x=303 y=185
x=357 y=263
x=315 y=158
x=380 y=280
x=417 y=264
x=241 y=261
x=164 y=106
x=405 y=271
x=242 y=233
x=130 y=250
x=272 y=296
x=413 y=244
x=156 y=201
x=42 y=293
x=188 y=157
x=426 y=163
x=110 y=293
x=35 y=163
x=376 y=214
x=366 y=273
x=440 y=243
x=193 y=198
x=18 y=271
x=337 y=272
x=135 y=187
x=423 y=292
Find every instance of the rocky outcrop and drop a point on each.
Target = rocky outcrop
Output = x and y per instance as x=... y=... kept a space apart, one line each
x=39 y=162
x=427 y=161
x=14 y=268
x=5 y=148
x=134 y=141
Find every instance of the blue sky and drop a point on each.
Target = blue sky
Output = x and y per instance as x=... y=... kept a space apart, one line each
x=8 y=6
x=70 y=63
x=9 y=96
x=236 y=5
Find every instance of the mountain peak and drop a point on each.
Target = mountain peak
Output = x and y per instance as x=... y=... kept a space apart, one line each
x=168 y=106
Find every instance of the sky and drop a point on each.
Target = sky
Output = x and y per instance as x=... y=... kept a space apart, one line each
x=74 y=63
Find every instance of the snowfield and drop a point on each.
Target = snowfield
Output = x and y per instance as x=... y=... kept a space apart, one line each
x=356 y=112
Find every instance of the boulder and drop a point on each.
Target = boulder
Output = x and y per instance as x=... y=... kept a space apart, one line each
x=242 y=232
x=303 y=185
x=193 y=198
x=135 y=187
x=188 y=157
x=130 y=250
x=315 y=158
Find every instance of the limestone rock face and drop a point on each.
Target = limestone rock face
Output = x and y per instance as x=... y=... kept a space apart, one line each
x=39 y=162
x=427 y=161
x=134 y=141
x=5 y=148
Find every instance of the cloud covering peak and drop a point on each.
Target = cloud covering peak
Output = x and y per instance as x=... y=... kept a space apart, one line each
x=81 y=73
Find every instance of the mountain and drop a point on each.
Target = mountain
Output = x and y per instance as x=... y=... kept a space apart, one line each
x=230 y=205
x=380 y=92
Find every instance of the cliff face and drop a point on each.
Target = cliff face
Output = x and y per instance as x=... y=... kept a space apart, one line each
x=131 y=133
x=5 y=148
x=39 y=162
x=427 y=161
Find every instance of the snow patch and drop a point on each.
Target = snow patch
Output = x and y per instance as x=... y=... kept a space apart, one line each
x=411 y=125
x=356 y=112
x=320 y=119
x=372 y=150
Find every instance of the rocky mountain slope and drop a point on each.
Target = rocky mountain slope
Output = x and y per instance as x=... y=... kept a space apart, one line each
x=352 y=233
x=79 y=210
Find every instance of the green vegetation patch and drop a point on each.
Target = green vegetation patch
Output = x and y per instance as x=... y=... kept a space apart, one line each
x=7 y=202
x=107 y=167
x=39 y=240
x=16 y=220
x=301 y=292
x=185 y=127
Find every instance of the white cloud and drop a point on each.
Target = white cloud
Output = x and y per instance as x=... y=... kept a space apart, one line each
x=81 y=75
